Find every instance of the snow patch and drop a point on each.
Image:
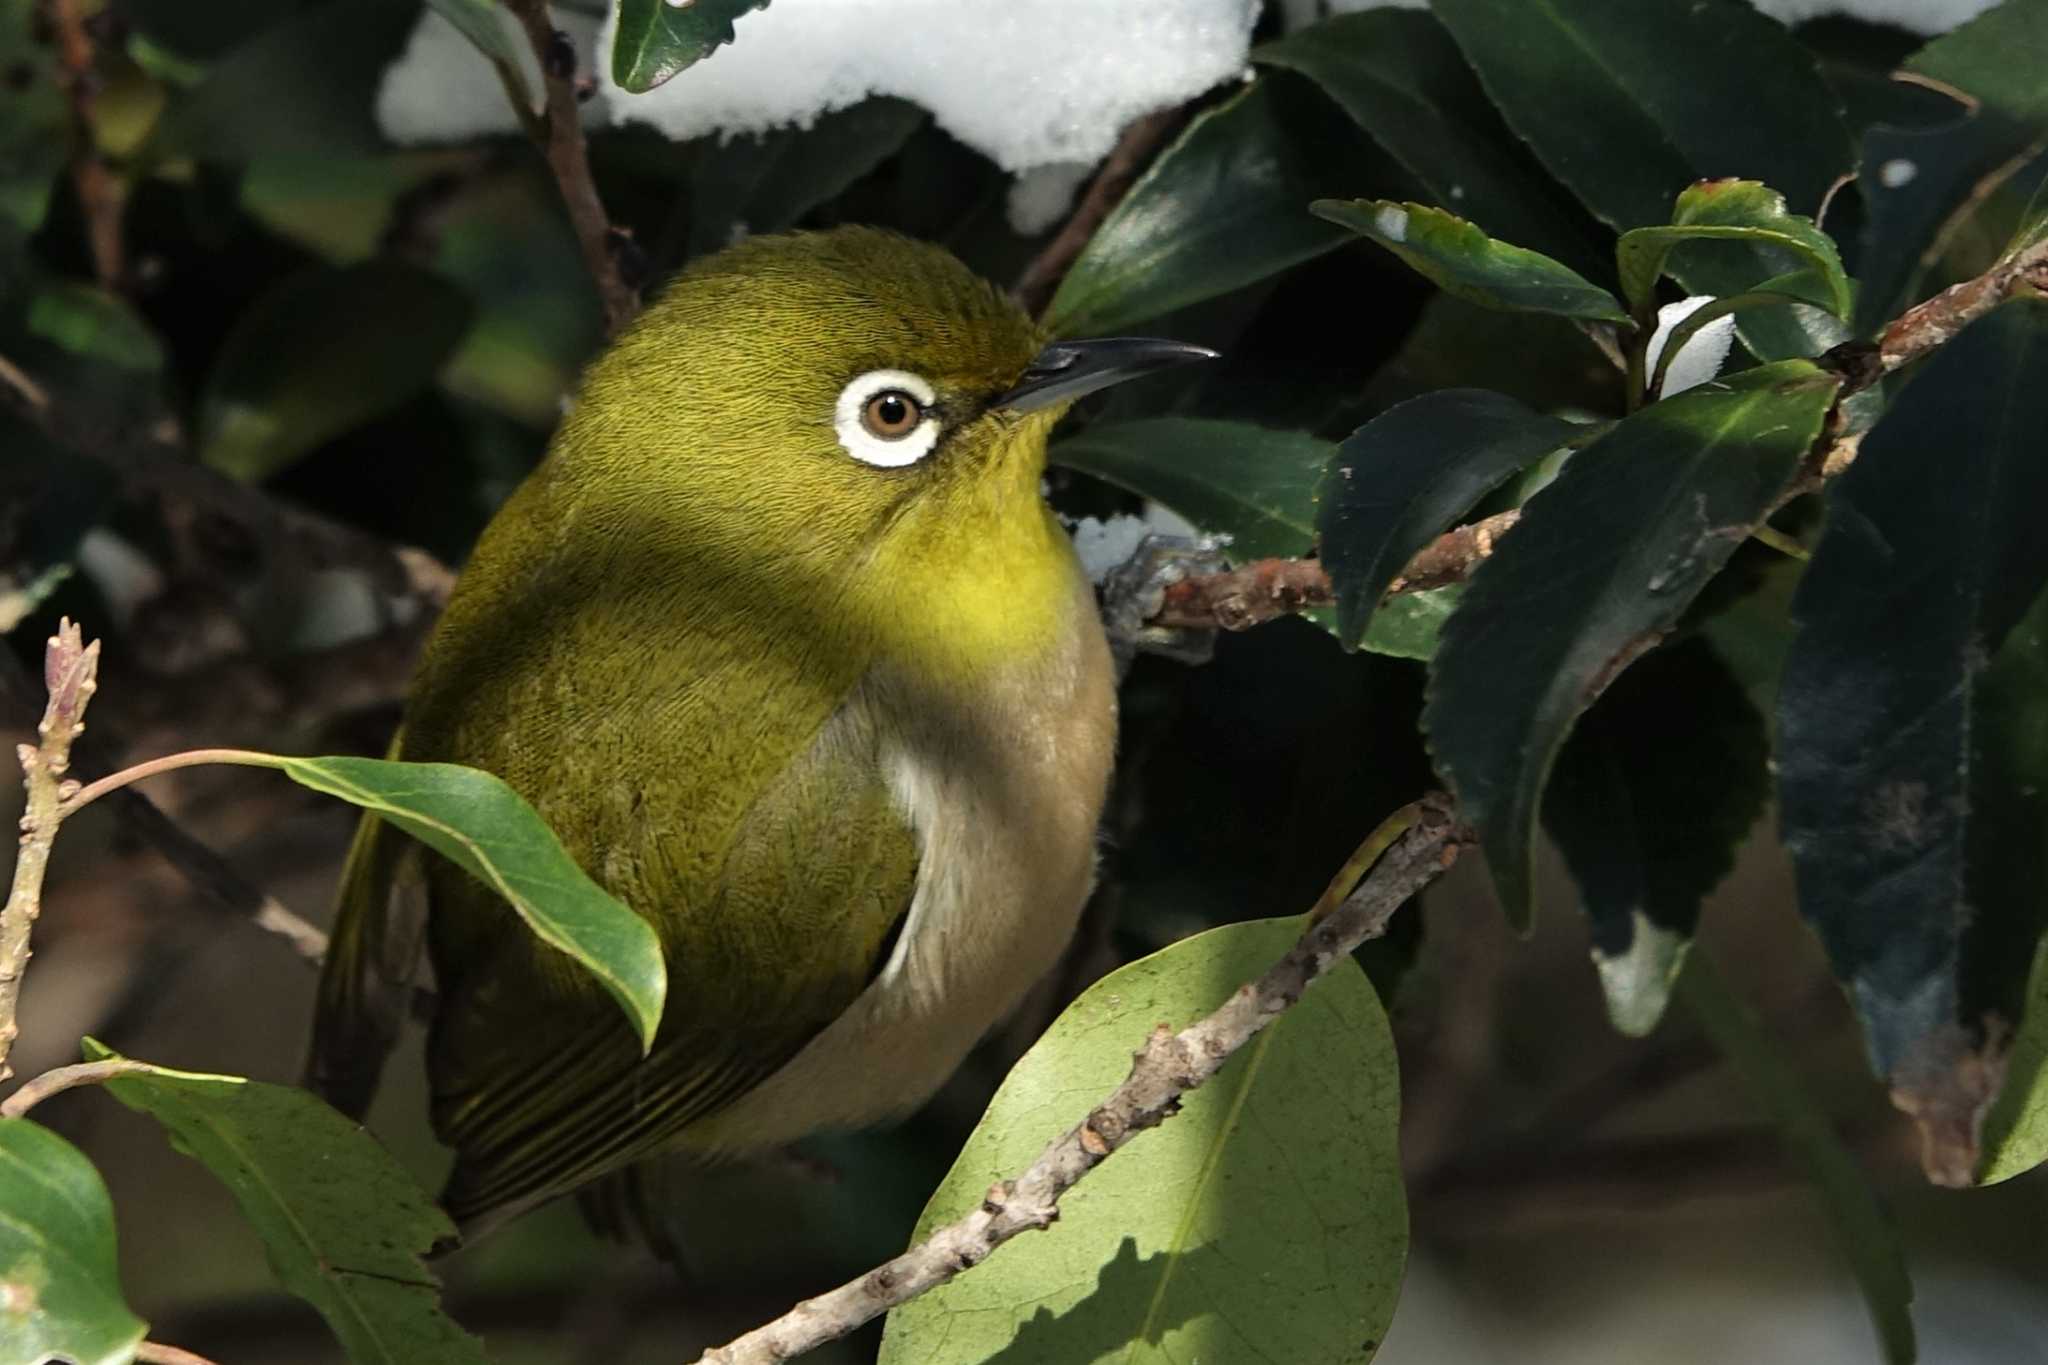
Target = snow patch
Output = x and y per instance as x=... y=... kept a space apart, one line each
x=1700 y=358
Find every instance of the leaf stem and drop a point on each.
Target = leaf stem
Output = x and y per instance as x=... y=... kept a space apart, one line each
x=33 y=1093
x=189 y=758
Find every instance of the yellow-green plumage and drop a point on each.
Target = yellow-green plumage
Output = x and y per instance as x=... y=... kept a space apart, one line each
x=772 y=698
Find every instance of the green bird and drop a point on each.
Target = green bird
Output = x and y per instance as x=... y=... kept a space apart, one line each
x=783 y=642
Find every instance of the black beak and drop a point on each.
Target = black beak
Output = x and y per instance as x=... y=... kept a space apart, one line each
x=1066 y=370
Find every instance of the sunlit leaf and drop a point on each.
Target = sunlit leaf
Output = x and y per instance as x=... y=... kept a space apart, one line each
x=657 y=38
x=1269 y=1209
x=1801 y=259
x=1462 y=260
x=60 y=1285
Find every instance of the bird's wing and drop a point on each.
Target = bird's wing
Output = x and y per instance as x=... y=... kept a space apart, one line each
x=815 y=880
x=373 y=957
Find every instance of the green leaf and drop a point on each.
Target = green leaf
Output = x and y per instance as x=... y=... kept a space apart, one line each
x=1252 y=484
x=34 y=126
x=486 y=24
x=1862 y=1228
x=1462 y=260
x=2033 y=225
x=1661 y=95
x=765 y=183
x=60 y=1285
x=1225 y=205
x=343 y=1226
x=1398 y=74
x=483 y=826
x=656 y=38
x=1914 y=782
x=320 y=354
x=1400 y=479
x=96 y=327
x=2016 y=1129
x=1996 y=59
x=1409 y=626
x=1741 y=211
x=1269 y=1210
x=1602 y=564
x=1648 y=815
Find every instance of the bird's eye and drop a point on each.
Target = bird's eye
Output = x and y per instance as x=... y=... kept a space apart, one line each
x=885 y=418
x=892 y=414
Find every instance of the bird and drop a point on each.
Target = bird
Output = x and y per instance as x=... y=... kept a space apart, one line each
x=783 y=642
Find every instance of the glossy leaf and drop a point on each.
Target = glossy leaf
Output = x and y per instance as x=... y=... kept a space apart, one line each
x=656 y=38
x=1649 y=814
x=2016 y=1129
x=1402 y=478
x=1996 y=59
x=764 y=183
x=1661 y=95
x=1268 y=1210
x=1602 y=563
x=483 y=826
x=1740 y=211
x=343 y=1225
x=320 y=354
x=1252 y=484
x=484 y=23
x=1462 y=260
x=60 y=1283
x=1223 y=206
x=1863 y=1230
x=1913 y=781
x=1398 y=73
x=1409 y=626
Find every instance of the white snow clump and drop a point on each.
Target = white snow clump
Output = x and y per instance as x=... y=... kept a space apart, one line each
x=1700 y=358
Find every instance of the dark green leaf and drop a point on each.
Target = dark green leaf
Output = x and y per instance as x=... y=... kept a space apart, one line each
x=1862 y=1228
x=1225 y=205
x=1648 y=814
x=343 y=1225
x=1462 y=260
x=1911 y=806
x=1603 y=562
x=1254 y=485
x=2016 y=1129
x=34 y=126
x=303 y=87
x=1743 y=211
x=1540 y=358
x=484 y=827
x=95 y=326
x=1398 y=73
x=60 y=1287
x=1661 y=95
x=484 y=23
x=1996 y=59
x=1268 y=1166
x=321 y=353
x=765 y=183
x=2033 y=224
x=1408 y=626
x=656 y=38
x=1400 y=479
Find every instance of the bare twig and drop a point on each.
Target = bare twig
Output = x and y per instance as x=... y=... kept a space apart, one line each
x=1166 y=1068
x=1926 y=325
x=101 y=194
x=69 y=669
x=33 y=1093
x=34 y=395
x=1126 y=160
x=558 y=132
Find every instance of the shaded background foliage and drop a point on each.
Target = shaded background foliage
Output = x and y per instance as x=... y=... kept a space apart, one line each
x=314 y=345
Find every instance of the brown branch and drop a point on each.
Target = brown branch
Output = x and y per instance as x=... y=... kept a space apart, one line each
x=69 y=669
x=157 y=1353
x=1167 y=1067
x=558 y=132
x=1929 y=324
x=1132 y=153
x=101 y=193
x=33 y=1093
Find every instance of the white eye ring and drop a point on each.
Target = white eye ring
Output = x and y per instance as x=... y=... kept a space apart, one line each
x=885 y=451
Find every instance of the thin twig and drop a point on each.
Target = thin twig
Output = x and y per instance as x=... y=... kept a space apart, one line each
x=1132 y=153
x=33 y=394
x=1165 y=1069
x=101 y=194
x=33 y=1093
x=558 y=132
x=157 y=1353
x=69 y=669
x=1926 y=325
